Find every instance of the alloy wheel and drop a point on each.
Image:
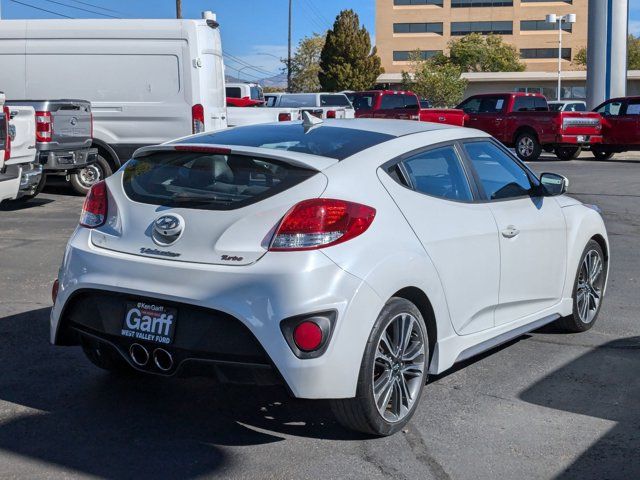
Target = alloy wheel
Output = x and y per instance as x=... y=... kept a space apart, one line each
x=398 y=370
x=89 y=175
x=590 y=284
x=526 y=146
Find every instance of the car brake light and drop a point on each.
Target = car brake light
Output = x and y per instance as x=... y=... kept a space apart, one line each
x=321 y=222
x=7 y=142
x=331 y=114
x=307 y=336
x=54 y=290
x=284 y=117
x=94 y=210
x=197 y=116
x=44 y=126
x=414 y=117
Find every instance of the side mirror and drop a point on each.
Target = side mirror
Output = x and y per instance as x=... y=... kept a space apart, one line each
x=554 y=184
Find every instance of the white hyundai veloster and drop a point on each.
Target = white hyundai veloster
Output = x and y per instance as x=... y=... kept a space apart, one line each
x=344 y=259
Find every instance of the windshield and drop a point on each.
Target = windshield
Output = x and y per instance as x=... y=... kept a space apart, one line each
x=298 y=101
x=363 y=101
x=324 y=140
x=256 y=93
x=207 y=181
x=340 y=100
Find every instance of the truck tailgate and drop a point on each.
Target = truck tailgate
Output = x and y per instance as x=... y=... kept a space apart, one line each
x=450 y=116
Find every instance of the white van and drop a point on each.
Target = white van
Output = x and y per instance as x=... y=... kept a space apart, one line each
x=148 y=81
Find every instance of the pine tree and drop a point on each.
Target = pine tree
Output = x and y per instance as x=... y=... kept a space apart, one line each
x=347 y=61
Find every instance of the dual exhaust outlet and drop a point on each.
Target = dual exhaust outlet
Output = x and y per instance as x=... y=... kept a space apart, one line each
x=141 y=357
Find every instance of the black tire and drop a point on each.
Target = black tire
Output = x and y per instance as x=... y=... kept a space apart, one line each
x=528 y=147
x=361 y=413
x=568 y=153
x=82 y=180
x=548 y=148
x=600 y=154
x=105 y=357
x=575 y=323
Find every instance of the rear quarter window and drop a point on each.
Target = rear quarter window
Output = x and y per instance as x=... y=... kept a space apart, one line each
x=207 y=181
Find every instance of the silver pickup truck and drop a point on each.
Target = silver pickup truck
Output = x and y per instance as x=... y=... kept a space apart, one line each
x=64 y=131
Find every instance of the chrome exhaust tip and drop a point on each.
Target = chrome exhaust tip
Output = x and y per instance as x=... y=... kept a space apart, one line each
x=139 y=354
x=162 y=359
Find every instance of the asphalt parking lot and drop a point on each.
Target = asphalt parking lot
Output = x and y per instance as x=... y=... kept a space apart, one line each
x=547 y=405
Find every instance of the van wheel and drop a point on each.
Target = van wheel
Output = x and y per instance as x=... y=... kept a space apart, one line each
x=528 y=148
x=85 y=178
x=392 y=374
x=568 y=153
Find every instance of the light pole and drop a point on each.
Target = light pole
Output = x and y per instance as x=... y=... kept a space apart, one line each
x=560 y=19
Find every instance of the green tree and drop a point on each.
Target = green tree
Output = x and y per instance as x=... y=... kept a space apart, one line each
x=305 y=64
x=436 y=79
x=347 y=61
x=484 y=53
x=633 y=54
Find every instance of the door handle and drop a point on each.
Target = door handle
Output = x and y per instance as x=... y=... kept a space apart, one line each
x=510 y=232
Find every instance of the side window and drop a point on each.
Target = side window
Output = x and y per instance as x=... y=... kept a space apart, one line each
x=610 y=108
x=471 y=105
x=524 y=104
x=234 y=92
x=633 y=108
x=391 y=102
x=491 y=105
x=579 y=107
x=500 y=175
x=439 y=173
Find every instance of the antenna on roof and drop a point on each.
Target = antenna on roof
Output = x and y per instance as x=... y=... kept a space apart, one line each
x=309 y=121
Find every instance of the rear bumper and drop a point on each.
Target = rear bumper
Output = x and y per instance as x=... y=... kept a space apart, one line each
x=258 y=297
x=578 y=139
x=67 y=159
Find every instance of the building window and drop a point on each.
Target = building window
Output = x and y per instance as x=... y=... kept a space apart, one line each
x=480 y=3
x=418 y=28
x=405 y=55
x=484 y=28
x=529 y=53
x=538 y=25
x=546 y=1
x=418 y=2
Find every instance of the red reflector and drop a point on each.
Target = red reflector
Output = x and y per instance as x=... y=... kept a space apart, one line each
x=195 y=149
x=331 y=114
x=54 y=290
x=7 y=142
x=44 y=127
x=284 y=117
x=321 y=222
x=197 y=118
x=308 y=336
x=94 y=210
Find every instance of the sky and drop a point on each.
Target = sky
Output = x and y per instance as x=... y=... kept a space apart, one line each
x=254 y=32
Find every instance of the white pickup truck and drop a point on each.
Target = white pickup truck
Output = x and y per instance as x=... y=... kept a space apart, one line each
x=239 y=116
x=19 y=173
x=322 y=105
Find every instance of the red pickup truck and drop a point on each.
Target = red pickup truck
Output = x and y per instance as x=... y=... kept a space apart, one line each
x=620 y=127
x=401 y=105
x=523 y=121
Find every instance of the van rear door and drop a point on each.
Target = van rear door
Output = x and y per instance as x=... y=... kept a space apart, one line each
x=211 y=77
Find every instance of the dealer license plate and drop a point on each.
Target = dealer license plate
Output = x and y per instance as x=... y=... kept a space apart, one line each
x=149 y=322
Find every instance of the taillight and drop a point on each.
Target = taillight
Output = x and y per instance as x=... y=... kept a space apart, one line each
x=307 y=336
x=321 y=222
x=7 y=141
x=54 y=290
x=284 y=117
x=197 y=118
x=44 y=126
x=94 y=210
x=331 y=114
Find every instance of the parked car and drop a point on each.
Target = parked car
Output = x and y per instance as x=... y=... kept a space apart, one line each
x=20 y=174
x=322 y=105
x=248 y=254
x=523 y=121
x=402 y=105
x=244 y=95
x=240 y=116
x=620 y=127
x=64 y=130
x=567 y=106
x=148 y=81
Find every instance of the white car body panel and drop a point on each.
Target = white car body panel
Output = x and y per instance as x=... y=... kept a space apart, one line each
x=23 y=145
x=355 y=278
x=240 y=116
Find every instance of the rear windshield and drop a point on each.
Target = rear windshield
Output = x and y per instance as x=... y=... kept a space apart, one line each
x=298 y=101
x=207 y=181
x=323 y=140
x=555 y=107
x=334 y=101
x=363 y=101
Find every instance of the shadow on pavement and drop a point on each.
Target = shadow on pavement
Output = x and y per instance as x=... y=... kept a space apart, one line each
x=71 y=414
x=604 y=383
x=15 y=205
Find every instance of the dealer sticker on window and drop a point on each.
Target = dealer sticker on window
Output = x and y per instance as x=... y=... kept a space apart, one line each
x=149 y=322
